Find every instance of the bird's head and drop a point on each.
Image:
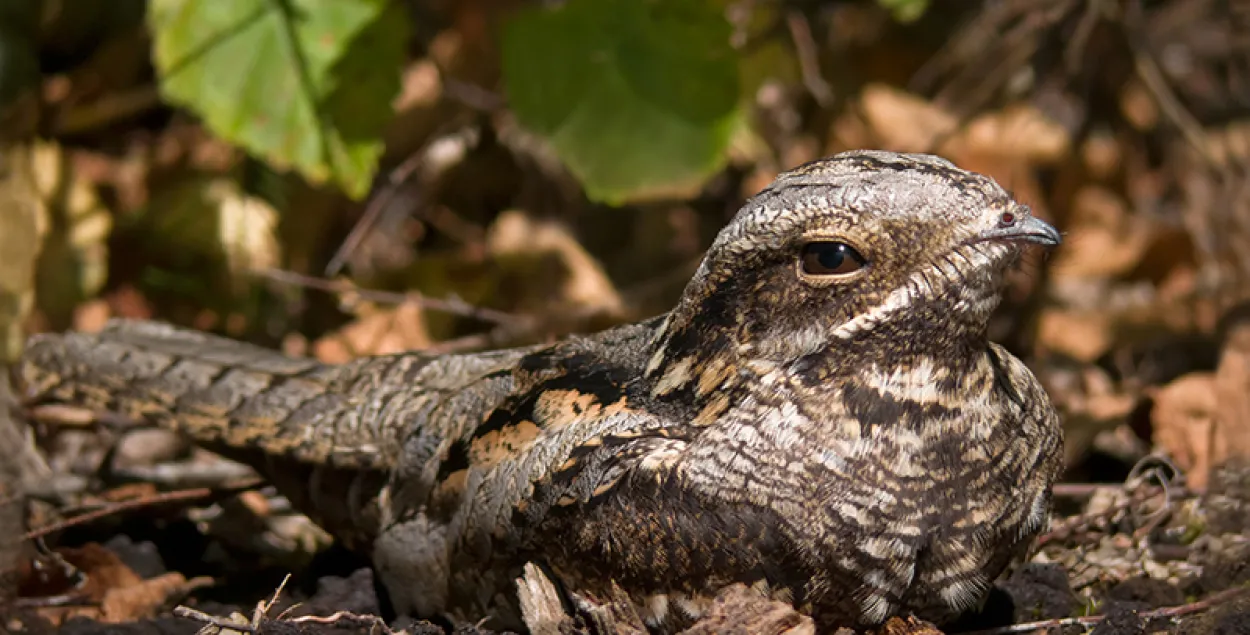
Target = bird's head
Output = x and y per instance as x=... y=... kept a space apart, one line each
x=867 y=253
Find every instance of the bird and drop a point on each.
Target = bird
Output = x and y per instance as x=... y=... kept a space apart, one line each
x=821 y=417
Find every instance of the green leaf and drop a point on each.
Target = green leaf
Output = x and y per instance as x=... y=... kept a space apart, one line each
x=637 y=97
x=302 y=83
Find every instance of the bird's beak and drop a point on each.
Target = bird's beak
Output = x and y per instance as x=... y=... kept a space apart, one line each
x=1028 y=229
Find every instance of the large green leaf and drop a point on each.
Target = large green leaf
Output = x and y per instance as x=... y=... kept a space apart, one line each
x=636 y=96
x=302 y=83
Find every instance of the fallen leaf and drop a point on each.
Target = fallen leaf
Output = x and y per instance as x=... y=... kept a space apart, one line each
x=1019 y=131
x=1105 y=239
x=1231 y=436
x=1184 y=420
x=1083 y=335
x=1139 y=105
x=905 y=122
x=1102 y=155
x=92 y=315
x=516 y=237
x=379 y=331
x=111 y=592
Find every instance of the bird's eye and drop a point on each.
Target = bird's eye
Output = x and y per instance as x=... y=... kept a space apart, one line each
x=831 y=259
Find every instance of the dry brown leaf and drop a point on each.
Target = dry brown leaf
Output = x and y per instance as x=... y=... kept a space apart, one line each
x=1203 y=419
x=1184 y=420
x=1102 y=155
x=92 y=315
x=1091 y=405
x=905 y=122
x=378 y=331
x=1019 y=131
x=115 y=592
x=1231 y=437
x=126 y=604
x=584 y=284
x=894 y=119
x=1105 y=239
x=1006 y=144
x=1081 y=335
x=420 y=86
x=1138 y=105
x=128 y=302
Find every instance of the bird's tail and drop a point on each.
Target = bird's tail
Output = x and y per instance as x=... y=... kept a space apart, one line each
x=297 y=421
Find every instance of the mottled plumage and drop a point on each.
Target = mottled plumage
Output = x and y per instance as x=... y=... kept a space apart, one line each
x=820 y=417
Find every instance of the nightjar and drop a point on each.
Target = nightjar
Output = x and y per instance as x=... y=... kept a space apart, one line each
x=821 y=416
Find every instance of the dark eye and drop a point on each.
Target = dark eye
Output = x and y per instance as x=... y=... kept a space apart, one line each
x=831 y=259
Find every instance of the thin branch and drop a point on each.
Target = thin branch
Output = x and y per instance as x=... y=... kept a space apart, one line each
x=375 y=623
x=809 y=57
x=106 y=110
x=436 y=150
x=449 y=305
x=373 y=211
x=1082 y=490
x=1136 y=490
x=1152 y=78
x=262 y=608
x=220 y=622
x=145 y=501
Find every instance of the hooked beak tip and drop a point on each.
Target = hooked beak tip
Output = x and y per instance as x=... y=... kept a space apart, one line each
x=1029 y=229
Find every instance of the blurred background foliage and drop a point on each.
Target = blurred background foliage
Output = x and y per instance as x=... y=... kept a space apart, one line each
x=346 y=177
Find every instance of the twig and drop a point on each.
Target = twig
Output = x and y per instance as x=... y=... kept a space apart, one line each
x=186 y=475
x=1082 y=490
x=64 y=600
x=1136 y=492
x=1089 y=620
x=442 y=150
x=808 y=56
x=220 y=622
x=76 y=417
x=1152 y=78
x=106 y=110
x=261 y=615
x=262 y=608
x=1151 y=467
x=373 y=211
x=145 y=501
x=472 y=95
x=449 y=305
x=373 y=621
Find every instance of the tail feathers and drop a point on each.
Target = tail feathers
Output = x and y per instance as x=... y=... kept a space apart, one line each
x=221 y=392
